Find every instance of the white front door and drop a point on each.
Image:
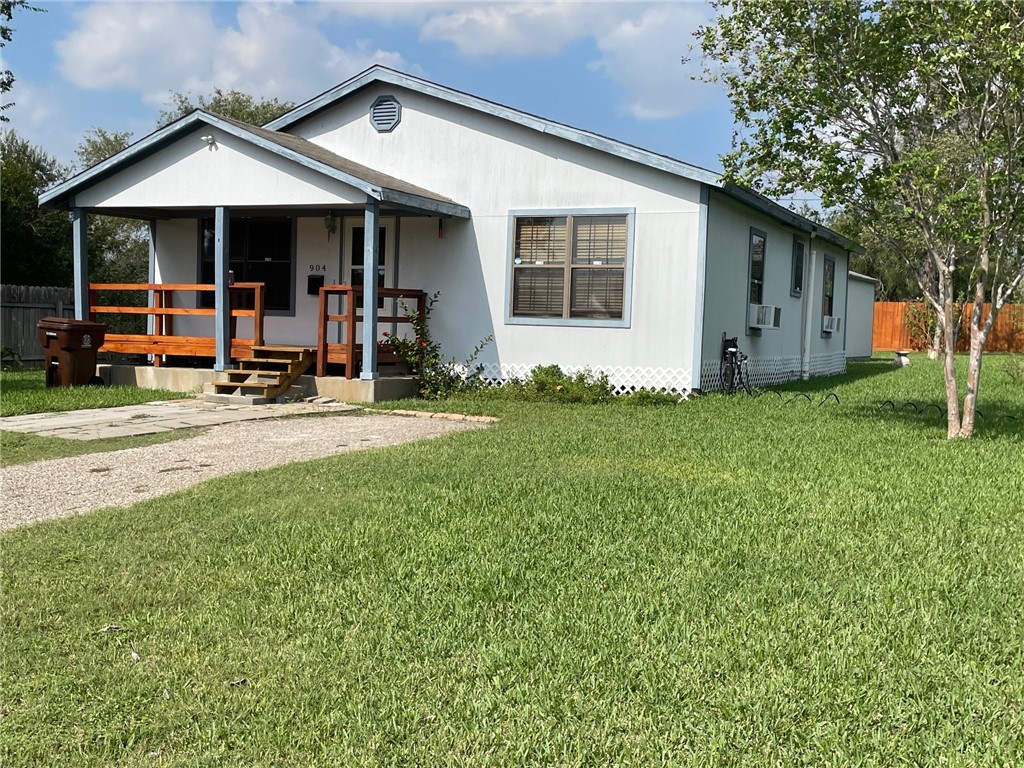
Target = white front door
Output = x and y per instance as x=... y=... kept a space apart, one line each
x=352 y=263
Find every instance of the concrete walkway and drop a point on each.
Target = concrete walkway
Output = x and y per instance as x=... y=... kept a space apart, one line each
x=159 y=416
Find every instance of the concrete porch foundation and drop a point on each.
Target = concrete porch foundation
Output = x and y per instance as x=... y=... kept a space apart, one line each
x=197 y=380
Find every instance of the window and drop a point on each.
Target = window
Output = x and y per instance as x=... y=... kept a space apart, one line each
x=796 y=284
x=259 y=251
x=570 y=267
x=757 y=244
x=828 y=287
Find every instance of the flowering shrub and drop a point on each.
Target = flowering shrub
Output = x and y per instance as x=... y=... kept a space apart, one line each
x=437 y=377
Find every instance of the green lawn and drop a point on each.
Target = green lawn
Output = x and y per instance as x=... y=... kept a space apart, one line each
x=731 y=581
x=24 y=392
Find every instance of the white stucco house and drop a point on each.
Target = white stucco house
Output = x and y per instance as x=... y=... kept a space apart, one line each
x=568 y=247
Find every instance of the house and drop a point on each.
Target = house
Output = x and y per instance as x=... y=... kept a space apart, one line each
x=860 y=311
x=567 y=247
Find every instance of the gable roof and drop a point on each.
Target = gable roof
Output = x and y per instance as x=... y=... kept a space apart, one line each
x=374 y=184
x=381 y=74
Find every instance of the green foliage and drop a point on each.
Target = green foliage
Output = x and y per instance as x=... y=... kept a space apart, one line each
x=650 y=397
x=577 y=585
x=36 y=243
x=908 y=115
x=118 y=247
x=437 y=376
x=550 y=384
x=234 y=104
x=1013 y=367
x=9 y=359
x=7 y=9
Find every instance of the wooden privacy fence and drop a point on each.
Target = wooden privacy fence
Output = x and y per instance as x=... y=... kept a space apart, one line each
x=891 y=333
x=21 y=307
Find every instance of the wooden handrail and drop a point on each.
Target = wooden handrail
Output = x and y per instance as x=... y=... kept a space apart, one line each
x=350 y=318
x=163 y=311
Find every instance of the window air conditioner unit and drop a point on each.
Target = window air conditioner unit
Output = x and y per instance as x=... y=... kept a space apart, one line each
x=764 y=316
x=830 y=324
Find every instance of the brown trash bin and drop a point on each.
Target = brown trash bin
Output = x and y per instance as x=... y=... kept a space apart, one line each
x=70 y=350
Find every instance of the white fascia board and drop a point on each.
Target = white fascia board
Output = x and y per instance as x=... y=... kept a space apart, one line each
x=423 y=204
x=159 y=139
x=141 y=148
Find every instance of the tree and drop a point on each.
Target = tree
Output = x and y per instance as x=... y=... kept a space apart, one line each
x=36 y=243
x=233 y=104
x=908 y=114
x=7 y=8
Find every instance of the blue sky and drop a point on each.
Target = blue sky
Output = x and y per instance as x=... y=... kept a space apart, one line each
x=612 y=68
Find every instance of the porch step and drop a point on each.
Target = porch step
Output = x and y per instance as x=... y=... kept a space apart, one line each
x=262 y=378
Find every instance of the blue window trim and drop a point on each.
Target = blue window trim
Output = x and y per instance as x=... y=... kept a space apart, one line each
x=576 y=322
x=290 y=312
x=750 y=274
x=824 y=273
x=793 y=290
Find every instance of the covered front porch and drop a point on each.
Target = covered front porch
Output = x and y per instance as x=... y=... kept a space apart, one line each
x=257 y=240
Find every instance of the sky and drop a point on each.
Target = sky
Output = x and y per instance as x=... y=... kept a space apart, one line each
x=612 y=68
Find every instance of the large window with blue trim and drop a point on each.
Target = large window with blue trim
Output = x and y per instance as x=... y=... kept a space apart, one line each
x=570 y=267
x=261 y=249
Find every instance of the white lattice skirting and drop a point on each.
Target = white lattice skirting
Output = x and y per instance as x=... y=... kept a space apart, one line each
x=622 y=379
x=771 y=371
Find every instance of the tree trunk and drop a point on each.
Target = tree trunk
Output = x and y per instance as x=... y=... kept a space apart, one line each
x=949 y=363
x=936 y=347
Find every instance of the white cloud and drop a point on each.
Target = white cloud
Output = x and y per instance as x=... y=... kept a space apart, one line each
x=521 y=29
x=292 y=51
x=153 y=49
x=640 y=43
x=643 y=55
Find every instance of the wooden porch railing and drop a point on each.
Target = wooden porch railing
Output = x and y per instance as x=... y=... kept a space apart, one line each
x=163 y=341
x=348 y=351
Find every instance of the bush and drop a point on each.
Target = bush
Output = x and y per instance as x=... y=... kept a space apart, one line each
x=9 y=359
x=437 y=377
x=646 y=397
x=550 y=384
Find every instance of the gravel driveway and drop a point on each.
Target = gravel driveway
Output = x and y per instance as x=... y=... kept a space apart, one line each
x=46 y=490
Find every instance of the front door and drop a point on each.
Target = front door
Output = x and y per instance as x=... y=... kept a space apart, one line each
x=352 y=263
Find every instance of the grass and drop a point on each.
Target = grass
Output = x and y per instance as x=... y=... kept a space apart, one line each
x=20 y=448
x=731 y=581
x=24 y=391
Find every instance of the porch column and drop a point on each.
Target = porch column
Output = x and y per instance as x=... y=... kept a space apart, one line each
x=79 y=235
x=222 y=304
x=150 y=319
x=370 y=225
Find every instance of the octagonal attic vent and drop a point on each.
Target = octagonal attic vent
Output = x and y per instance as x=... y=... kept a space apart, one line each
x=385 y=113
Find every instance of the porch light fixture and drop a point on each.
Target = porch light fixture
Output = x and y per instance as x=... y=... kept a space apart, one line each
x=211 y=141
x=330 y=224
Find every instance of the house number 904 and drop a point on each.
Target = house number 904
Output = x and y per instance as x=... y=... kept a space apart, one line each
x=317 y=267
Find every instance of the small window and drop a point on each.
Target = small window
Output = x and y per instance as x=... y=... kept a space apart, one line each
x=385 y=114
x=828 y=287
x=757 y=246
x=796 y=285
x=569 y=267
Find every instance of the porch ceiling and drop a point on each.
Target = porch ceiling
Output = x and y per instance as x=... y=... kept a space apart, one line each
x=388 y=190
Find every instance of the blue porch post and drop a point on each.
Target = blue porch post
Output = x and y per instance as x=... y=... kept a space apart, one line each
x=370 y=225
x=222 y=305
x=150 y=319
x=80 y=243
